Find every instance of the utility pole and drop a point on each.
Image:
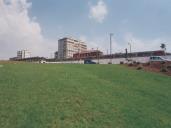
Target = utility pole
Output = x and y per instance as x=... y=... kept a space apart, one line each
x=126 y=53
x=78 y=53
x=130 y=48
x=111 y=34
x=98 y=55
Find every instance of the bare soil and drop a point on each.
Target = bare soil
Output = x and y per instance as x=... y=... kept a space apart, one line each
x=157 y=67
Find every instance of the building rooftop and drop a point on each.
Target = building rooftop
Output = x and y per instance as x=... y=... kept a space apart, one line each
x=90 y=51
x=71 y=38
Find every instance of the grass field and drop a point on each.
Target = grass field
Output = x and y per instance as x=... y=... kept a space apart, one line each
x=83 y=96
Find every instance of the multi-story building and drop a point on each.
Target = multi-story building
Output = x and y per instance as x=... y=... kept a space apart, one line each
x=23 y=54
x=67 y=47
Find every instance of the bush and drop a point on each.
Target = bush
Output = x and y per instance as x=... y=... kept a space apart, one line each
x=163 y=69
x=163 y=62
x=138 y=63
x=139 y=68
x=134 y=62
x=121 y=62
x=169 y=67
x=130 y=64
x=147 y=64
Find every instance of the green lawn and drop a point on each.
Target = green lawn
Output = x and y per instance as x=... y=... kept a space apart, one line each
x=83 y=96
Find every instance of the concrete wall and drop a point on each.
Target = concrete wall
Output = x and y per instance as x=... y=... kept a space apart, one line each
x=67 y=62
x=118 y=60
x=105 y=61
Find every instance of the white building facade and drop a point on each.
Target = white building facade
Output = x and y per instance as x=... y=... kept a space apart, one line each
x=23 y=54
x=67 y=47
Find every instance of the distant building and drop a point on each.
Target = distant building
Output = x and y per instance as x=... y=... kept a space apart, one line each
x=13 y=59
x=88 y=54
x=67 y=47
x=137 y=54
x=23 y=54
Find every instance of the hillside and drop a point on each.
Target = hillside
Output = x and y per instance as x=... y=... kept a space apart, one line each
x=83 y=96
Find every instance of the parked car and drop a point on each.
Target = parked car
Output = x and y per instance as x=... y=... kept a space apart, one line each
x=159 y=59
x=89 y=61
x=42 y=62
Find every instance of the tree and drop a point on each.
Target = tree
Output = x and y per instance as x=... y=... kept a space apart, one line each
x=163 y=47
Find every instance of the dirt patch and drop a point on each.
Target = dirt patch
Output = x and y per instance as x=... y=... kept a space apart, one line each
x=157 y=67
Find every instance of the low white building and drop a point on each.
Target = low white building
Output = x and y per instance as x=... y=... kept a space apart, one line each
x=23 y=54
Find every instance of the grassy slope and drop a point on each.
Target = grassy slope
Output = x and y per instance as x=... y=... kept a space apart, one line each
x=83 y=96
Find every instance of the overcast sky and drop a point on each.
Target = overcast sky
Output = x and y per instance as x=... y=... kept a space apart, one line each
x=37 y=25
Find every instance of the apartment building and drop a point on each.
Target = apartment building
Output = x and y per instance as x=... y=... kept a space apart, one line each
x=67 y=47
x=23 y=54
